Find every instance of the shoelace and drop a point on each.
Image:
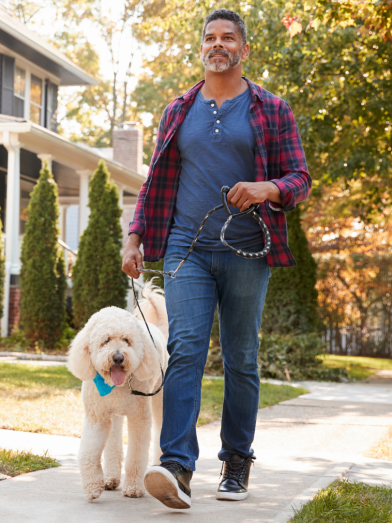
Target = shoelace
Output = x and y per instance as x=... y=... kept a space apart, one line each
x=235 y=471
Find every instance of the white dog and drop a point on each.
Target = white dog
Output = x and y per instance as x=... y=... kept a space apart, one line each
x=116 y=345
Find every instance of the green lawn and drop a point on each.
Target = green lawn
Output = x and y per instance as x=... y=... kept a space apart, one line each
x=347 y=502
x=358 y=367
x=13 y=463
x=48 y=400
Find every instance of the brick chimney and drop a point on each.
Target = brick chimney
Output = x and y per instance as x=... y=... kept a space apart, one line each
x=128 y=146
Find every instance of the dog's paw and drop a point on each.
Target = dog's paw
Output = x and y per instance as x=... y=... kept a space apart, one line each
x=93 y=491
x=112 y=483
x=134 y=490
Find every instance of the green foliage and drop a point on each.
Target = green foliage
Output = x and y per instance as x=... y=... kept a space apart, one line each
x=17 y=341
x=291 y=302
x=2 y=270
x=15 y=462
x=42 y=280
x=97 y=277
x=347 y=502
x=287 y=357
x=335 y=81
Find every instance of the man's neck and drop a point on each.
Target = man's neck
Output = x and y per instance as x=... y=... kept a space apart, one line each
x=223 y=86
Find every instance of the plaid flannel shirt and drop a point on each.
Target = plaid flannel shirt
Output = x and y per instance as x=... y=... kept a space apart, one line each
x=280 y=158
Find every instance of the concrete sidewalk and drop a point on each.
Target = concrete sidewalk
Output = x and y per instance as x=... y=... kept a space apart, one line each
x=301 y=446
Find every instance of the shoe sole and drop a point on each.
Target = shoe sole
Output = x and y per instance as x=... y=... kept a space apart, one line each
x=231 y=496
x=162 y=485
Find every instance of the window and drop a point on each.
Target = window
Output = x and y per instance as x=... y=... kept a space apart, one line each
x=35 y=99
x=19 y=92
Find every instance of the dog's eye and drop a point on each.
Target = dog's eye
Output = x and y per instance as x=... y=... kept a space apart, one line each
x=126 y=340
x=107 y=341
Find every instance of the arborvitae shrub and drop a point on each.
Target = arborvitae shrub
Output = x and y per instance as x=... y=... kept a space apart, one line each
x=291 y=302
x=98 y=280
x=2 y=270
x=42 y=280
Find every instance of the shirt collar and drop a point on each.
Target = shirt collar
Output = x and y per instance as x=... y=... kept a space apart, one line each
x=190 y=95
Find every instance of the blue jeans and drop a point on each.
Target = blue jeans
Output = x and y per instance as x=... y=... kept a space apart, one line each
x=238 y=286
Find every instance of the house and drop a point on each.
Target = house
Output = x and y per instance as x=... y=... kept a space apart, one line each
x=31 y=72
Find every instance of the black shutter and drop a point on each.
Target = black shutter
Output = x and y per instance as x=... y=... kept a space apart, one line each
x=7 y=73
x=51 y=91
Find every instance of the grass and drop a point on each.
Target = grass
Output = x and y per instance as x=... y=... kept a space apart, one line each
x=13 y=462
x=347 y=502
x=47 y=400
x=358 y=367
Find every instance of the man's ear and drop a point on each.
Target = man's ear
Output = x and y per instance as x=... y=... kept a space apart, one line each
x=79 y=360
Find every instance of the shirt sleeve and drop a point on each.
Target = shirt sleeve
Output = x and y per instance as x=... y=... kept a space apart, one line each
x=295 y=182
x=138 y=224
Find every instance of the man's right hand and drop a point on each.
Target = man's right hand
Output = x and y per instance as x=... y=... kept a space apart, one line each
x=132 y=257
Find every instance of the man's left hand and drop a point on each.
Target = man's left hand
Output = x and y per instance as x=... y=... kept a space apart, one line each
x=243 y=194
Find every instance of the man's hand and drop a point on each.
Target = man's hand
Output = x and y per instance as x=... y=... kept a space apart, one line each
x=243 y=194
x=132 y=257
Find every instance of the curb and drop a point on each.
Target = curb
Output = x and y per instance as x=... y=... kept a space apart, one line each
x=337 y=472
x=27 y=356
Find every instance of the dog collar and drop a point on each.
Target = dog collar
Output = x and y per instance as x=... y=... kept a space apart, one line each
x=103 y=388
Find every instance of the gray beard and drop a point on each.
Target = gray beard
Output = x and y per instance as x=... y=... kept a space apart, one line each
x=219 y=67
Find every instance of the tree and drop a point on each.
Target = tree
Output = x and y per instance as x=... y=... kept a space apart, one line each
x=291 y=302
x=2 y=270
x=42 y=279
x=336 y=81
x=97 y=277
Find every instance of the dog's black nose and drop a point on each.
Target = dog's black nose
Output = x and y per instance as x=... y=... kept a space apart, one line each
x=118 y=359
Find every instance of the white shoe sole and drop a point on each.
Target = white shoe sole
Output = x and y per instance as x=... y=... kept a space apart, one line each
x=162 y=485
x=231 y=496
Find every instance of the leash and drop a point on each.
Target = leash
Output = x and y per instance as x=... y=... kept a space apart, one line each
x=239 y=252
x=252 y=210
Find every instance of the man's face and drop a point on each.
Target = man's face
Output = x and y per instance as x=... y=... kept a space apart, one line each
x=222 y=48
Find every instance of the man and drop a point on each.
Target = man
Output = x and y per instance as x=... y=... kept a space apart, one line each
x=226 y=130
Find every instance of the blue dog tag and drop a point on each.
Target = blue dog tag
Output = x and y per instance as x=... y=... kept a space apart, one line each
x=103 y=388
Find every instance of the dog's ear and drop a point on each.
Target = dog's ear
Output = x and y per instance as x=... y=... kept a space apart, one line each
x=79 y=361
x=149 y=366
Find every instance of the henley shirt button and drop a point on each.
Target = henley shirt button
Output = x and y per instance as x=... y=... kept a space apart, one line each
x=215 y=112
x=212 y=105
x=218 y=121
x=217 y=130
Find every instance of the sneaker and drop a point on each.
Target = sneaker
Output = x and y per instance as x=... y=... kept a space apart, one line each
x=169 y=482
x=234 y=484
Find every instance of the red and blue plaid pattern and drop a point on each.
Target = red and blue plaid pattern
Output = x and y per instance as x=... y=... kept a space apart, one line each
x=280 y=158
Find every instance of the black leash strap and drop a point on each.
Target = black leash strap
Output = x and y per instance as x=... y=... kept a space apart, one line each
x=131 y=390
x=252 y=210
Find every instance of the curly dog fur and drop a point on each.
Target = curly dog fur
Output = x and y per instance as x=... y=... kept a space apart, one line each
x=114 y=335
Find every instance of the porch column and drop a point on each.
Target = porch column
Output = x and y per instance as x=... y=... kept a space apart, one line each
x=46 y=157
x=120 y=190
x=84 y=210
x=12 y=261
x=63 y=222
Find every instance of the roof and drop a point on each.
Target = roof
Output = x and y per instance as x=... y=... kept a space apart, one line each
x=75 y=155
x=17 y=37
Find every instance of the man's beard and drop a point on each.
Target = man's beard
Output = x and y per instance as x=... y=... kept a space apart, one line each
x=219 y=67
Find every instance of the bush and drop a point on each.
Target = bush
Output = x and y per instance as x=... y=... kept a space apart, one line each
x=42 y=280
x=98 y=280
x=291 y=301
x=290 y=357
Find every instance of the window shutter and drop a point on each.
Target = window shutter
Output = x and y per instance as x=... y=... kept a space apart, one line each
x=7 y=73
x=51 y=106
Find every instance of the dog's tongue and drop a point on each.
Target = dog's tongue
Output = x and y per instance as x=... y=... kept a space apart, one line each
x=117 y=374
